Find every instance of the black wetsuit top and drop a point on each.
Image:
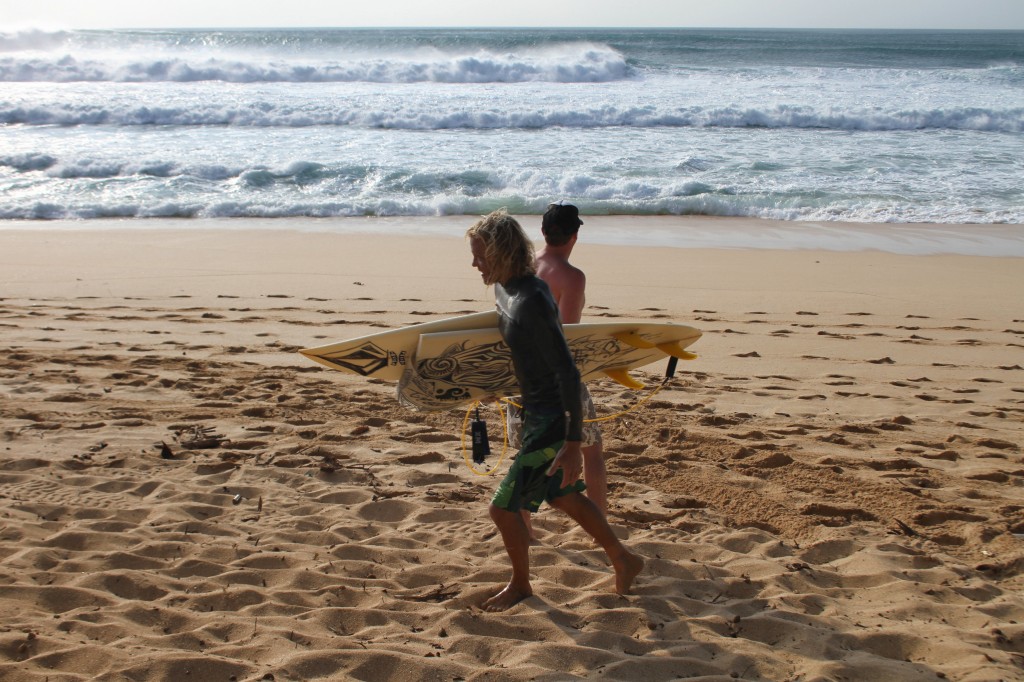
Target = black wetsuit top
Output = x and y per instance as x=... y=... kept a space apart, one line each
x=547 y=375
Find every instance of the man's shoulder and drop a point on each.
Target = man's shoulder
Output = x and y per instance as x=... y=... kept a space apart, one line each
x=561 y=271
x=537 y=293
x=525 y=288
x=525 y=297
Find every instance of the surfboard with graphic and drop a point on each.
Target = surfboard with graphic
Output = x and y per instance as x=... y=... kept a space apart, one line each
x=452 y=368
x=450 y=362
x=386 y=355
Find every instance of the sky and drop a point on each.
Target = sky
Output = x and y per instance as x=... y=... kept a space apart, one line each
x=941 y=14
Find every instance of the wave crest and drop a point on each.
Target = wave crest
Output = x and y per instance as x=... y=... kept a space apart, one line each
x=387 y=116
x=569 y=63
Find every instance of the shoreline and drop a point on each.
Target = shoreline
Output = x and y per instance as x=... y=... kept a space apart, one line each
x=688 y=231
x=205 y=262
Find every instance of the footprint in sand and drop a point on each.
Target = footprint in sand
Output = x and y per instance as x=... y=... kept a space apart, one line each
x=836 y=515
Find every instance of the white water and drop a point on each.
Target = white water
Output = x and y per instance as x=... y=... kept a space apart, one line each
x=801 y=126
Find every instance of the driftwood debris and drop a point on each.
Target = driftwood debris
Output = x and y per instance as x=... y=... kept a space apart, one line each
x=199 y=438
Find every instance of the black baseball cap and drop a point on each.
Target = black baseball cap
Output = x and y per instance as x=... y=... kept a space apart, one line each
x=561 y=216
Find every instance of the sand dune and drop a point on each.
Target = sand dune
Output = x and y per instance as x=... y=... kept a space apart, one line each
x=832 y=491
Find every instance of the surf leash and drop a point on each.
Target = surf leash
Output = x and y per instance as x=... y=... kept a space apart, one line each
x=477 y=434
x=609 y=417
x=670 y=372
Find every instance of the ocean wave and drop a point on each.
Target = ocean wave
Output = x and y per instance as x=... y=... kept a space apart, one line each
x=657 y=202
x=33 y=39
x=571 y=63
x=28 y=162
x=269 y=114
x=378 y=180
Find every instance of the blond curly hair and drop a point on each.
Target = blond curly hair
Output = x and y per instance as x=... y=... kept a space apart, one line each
x=508 y=250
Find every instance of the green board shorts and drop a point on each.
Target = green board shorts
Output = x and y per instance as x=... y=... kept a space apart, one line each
x=527 y=484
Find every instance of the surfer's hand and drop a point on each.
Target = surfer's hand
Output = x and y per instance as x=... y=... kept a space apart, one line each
x=570 y=460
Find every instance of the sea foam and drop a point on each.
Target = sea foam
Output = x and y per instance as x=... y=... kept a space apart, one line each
x=576 y=63
x=427 y=116
x=883 y=127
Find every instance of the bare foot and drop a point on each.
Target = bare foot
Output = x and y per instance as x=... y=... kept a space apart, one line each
x=626 y=569
x=506 y=599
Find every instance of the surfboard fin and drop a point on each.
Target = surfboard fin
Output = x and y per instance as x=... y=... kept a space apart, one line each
x=672 y=348
x=621 y=376
x=632 y=339
x=668 y=348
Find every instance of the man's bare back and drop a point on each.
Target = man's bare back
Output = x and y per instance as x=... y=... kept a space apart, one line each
x=568 y=284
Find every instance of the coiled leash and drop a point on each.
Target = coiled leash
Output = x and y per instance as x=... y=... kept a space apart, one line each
x=481 y=445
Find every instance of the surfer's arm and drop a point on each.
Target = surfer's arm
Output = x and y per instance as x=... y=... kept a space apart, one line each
x=550 y=343
x=570 y=460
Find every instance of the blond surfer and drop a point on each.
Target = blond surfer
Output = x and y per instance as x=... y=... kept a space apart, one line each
x=560 y=226
x=550 y=461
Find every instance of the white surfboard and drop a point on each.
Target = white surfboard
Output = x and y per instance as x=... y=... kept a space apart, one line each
x=386 y=355
x=449 y=362
x=452 y=368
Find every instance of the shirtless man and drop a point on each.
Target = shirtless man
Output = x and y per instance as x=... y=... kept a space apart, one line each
x=550 y=461
x=560 y=227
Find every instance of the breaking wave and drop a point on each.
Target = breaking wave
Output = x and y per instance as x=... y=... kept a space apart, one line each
x=425 y=117
x=569 y=63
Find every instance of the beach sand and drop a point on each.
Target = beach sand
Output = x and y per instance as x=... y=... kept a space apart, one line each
x=833 y=490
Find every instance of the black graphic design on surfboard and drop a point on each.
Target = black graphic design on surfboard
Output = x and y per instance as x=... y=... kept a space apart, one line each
x=448 y=379
x=367 y=359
